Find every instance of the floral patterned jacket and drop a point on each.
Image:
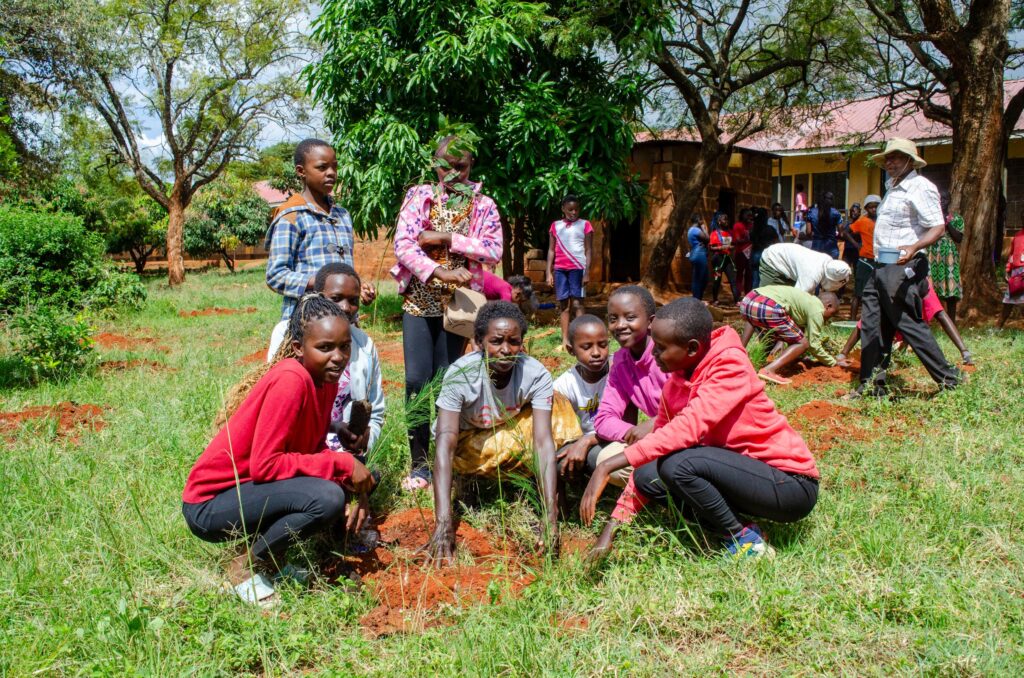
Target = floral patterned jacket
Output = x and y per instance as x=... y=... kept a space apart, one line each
x=482 y=246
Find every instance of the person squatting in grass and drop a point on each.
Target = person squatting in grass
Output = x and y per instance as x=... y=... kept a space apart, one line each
x=634 y=381
x=309 y=229
x=583 y=386
x=268 y=475
x=931 y=310
x=493 y=403
x=719 y=447
x=447 y=232
x=361 y=385
x=789 y=316
x=570 y=249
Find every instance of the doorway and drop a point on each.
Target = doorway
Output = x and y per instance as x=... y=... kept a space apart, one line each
x=624 y=245
x=727 y=203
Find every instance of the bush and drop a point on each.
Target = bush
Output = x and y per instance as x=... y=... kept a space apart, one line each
x=51 y=343
x=46 y=258
x=116 y=290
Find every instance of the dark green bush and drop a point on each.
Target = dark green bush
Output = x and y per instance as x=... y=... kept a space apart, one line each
x=51 y=343
x=115 y=290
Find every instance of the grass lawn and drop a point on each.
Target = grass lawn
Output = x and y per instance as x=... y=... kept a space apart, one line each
x=911 y=562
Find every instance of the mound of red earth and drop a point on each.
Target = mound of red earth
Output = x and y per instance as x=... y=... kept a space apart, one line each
x=824 y=424
x=410 y=594
x=216 y=310
x=804 y=374
x=70 y=417
x=119 y=341
x=141 y=363
x=254 y=358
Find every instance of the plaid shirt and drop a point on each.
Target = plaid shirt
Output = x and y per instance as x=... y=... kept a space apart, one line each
x=301 y=240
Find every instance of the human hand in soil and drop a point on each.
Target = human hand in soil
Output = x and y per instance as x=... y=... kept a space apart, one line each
x=603 y=546
x=349 y=440
x=358 y=515
x=573 y=458
x=595 y=488
x=433 y=239
x=639 y=431
x=841 y=361
x=460 y=276
x=361 y=481
x=367 y=293
x=441 y=547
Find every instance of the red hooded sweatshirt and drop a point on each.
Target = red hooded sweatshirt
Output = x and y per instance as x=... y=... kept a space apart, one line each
x=277 y=433
x=723 y=404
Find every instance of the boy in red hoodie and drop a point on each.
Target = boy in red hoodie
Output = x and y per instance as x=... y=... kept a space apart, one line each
x=719 y=446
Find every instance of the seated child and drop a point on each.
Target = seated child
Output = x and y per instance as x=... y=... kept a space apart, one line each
x=268 y=475
x=362 y=381
x=792 y=317
x=582 y=385
x=496 y=406
x=719 y=446
x=931 y=309
x=634 y=381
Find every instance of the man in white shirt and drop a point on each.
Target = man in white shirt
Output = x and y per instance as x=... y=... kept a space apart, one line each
x=795 y=265
x=909 y=219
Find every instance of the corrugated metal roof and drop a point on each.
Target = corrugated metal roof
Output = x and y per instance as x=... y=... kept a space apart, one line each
x=861 y=123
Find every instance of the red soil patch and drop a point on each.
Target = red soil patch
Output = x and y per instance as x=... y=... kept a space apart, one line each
x=254 y=358
x=391 y=353
x=109 y=341
x=805 y=375
x=70 y=417
x=392 y=385
x=824 y=424
x=410 y=593
x=216 y=310
x=552 y=363
x=122 y=365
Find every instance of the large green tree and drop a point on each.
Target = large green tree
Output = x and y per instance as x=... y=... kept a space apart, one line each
x=224 y=216
x=205 y=77
x=551 y=114
x=950 y=59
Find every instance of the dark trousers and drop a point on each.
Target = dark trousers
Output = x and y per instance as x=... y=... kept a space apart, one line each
x=428 y=350
x=699 y=266
x=744 y=278
x=723 y=266
x=271 y=515
x=713 y=485
x=892 y=300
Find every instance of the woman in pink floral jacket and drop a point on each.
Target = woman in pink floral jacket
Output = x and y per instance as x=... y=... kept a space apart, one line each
x=446 y=233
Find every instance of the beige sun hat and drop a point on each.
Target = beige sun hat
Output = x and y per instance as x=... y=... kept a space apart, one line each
x=905 y=146
x=872 y=199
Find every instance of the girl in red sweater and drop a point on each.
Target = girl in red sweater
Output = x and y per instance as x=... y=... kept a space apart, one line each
x=719 y=446
x=268 y=475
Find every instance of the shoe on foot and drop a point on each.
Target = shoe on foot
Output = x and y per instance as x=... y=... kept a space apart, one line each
x=295 y=573
x=748 y=544
x=256 y=590
x=417 y=481
x=773 y=377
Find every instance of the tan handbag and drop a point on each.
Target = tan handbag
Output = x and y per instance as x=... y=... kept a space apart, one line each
x=460 y=314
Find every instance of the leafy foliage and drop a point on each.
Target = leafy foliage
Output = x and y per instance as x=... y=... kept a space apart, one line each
x=226 y=216
x=551 y=116
x=51 y=343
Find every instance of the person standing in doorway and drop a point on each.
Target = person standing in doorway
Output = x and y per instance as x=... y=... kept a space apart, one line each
x=742 y=249
x=822 y=222
x=569 y=255
x=909 y=220
x=720 y=244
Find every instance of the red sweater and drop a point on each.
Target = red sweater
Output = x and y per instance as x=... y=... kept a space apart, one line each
x=724 y=405
x=277 y=433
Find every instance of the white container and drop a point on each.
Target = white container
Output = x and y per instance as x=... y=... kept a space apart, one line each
x=888 y=255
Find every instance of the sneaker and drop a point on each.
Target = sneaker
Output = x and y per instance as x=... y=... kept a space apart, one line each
x=748 y=544
x=295 y=573
x=256 y=590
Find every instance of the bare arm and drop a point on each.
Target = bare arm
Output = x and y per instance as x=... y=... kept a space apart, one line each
x=551 y=260
x=547 y=473
x=588 y=245
x=442 y=543
x=931 y=236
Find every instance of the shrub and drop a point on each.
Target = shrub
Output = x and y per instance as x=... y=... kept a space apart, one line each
x=116 y=290
x=51 y=343
x=46 y=258
x=227 y=215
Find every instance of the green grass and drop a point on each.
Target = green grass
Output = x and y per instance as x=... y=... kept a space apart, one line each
x=911 y=563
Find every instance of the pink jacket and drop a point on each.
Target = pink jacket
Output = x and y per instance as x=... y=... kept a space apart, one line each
x=631 y=384
x=483 y=245
x=723 y=405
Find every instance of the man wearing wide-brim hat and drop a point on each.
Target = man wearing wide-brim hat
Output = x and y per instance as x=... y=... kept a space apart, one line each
x=909 y=220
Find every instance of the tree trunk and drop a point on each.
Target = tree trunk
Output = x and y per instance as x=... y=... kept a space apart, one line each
x=977 y=174
x=175 y=226
x=686 y=199
x=139 y=259
x=518 y=245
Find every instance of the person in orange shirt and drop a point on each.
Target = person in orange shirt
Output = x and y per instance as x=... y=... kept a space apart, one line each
x=865 y=228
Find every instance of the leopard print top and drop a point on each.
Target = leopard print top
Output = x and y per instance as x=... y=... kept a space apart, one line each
x=428 y=300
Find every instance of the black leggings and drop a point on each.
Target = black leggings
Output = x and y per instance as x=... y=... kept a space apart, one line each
x=722 y=265
x=272 y=515
x=428 y=349
x=716 y=484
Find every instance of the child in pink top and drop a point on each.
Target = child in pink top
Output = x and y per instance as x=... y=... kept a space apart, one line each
x=719 y=446
x=569 y=255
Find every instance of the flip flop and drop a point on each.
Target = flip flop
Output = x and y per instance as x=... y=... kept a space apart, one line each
x=773 y=378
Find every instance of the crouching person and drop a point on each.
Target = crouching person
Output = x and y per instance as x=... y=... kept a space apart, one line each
x=719 y=447
x=497 y=415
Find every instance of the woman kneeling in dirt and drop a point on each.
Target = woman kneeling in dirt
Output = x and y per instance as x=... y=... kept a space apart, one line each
x=493 y=403
x=268 y=475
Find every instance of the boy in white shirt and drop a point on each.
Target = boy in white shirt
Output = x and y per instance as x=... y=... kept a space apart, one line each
x=569 y=253
x=583 y=385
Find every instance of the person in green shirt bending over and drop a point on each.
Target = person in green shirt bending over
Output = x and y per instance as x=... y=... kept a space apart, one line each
x=794 y=318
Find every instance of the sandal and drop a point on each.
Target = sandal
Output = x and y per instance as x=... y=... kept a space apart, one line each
x=773 y=378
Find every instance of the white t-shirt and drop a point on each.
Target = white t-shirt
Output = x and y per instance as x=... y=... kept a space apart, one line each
x=467 y=389
x=570 y=243
x=584 y=396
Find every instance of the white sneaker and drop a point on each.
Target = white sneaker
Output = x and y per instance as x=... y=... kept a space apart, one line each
x=256 y=591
